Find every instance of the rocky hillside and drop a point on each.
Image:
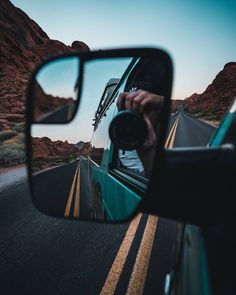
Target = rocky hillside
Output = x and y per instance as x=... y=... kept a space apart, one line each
x=45 y=147
x=46 y=103
x=23 y=46
x=215 y=100
x=46 y=153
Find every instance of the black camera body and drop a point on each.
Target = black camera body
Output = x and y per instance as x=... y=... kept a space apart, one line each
x=128 y=130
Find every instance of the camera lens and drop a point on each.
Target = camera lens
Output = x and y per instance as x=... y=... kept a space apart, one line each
x=128 y=130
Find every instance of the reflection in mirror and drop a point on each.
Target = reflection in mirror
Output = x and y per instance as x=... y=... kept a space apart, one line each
x=78 y=170
x=54 y=90
x=135 y=129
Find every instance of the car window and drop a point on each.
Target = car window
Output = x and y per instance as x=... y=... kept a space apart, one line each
x=145 y=83
x=130 y=161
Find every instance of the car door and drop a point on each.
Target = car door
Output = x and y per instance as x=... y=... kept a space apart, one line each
x=114 y=191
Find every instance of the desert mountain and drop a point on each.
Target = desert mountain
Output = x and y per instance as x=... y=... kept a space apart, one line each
x=47 y=153
x=45 y=147
x=215 y=100
x=24 y=45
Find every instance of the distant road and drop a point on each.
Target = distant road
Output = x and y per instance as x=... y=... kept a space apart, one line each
x=189 y=131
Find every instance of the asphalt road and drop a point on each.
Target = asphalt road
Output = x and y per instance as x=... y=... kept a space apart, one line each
x=51 y=188
x=191 y=132
x=64 y=191
x=44 y=255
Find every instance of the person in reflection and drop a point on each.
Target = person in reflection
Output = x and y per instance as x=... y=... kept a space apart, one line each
x=149 y=105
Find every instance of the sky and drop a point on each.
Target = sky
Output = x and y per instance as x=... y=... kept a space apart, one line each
x=200 y=36
x=59 y=78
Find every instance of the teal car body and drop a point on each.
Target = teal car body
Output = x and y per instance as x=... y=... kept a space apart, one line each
x=192 y=273
x=115 y=191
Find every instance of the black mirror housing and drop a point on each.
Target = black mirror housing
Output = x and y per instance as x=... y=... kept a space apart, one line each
x=74 y=179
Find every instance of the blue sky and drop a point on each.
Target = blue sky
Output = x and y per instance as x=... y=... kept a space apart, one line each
x=199 y=35
x=59 y=78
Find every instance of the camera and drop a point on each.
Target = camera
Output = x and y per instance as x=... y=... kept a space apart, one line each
x=128 y=130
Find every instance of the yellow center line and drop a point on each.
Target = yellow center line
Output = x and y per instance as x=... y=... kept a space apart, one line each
x=170 y=134
x=139 y=273
x=69 y=201
x=171 y=144
x=77 y=198
x=171 y=137
x=118 y=264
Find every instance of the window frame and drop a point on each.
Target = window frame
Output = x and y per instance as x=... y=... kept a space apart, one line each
x=136 y=182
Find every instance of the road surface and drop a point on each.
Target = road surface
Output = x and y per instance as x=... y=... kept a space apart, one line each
x=188 y=131
x=44 y=255
x=64 y=191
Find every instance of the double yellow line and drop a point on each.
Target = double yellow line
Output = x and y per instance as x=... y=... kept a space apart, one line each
x=75 y=189
x=140 y=268
x=171 y=137
x=139 y=272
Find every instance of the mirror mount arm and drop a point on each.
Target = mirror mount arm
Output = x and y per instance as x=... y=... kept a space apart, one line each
x=194 y=185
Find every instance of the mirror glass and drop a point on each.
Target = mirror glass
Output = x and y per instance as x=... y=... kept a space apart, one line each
x=55 y=89
x=78 y=170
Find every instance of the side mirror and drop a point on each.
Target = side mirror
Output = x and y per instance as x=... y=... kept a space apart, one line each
x=88 y=157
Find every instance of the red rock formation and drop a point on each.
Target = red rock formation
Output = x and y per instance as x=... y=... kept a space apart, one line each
x=215 y=100
x=80 y=45
x=192 y=99
x=23 y=46
x=47 y=153
x=46 y=103
x=44 y=147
